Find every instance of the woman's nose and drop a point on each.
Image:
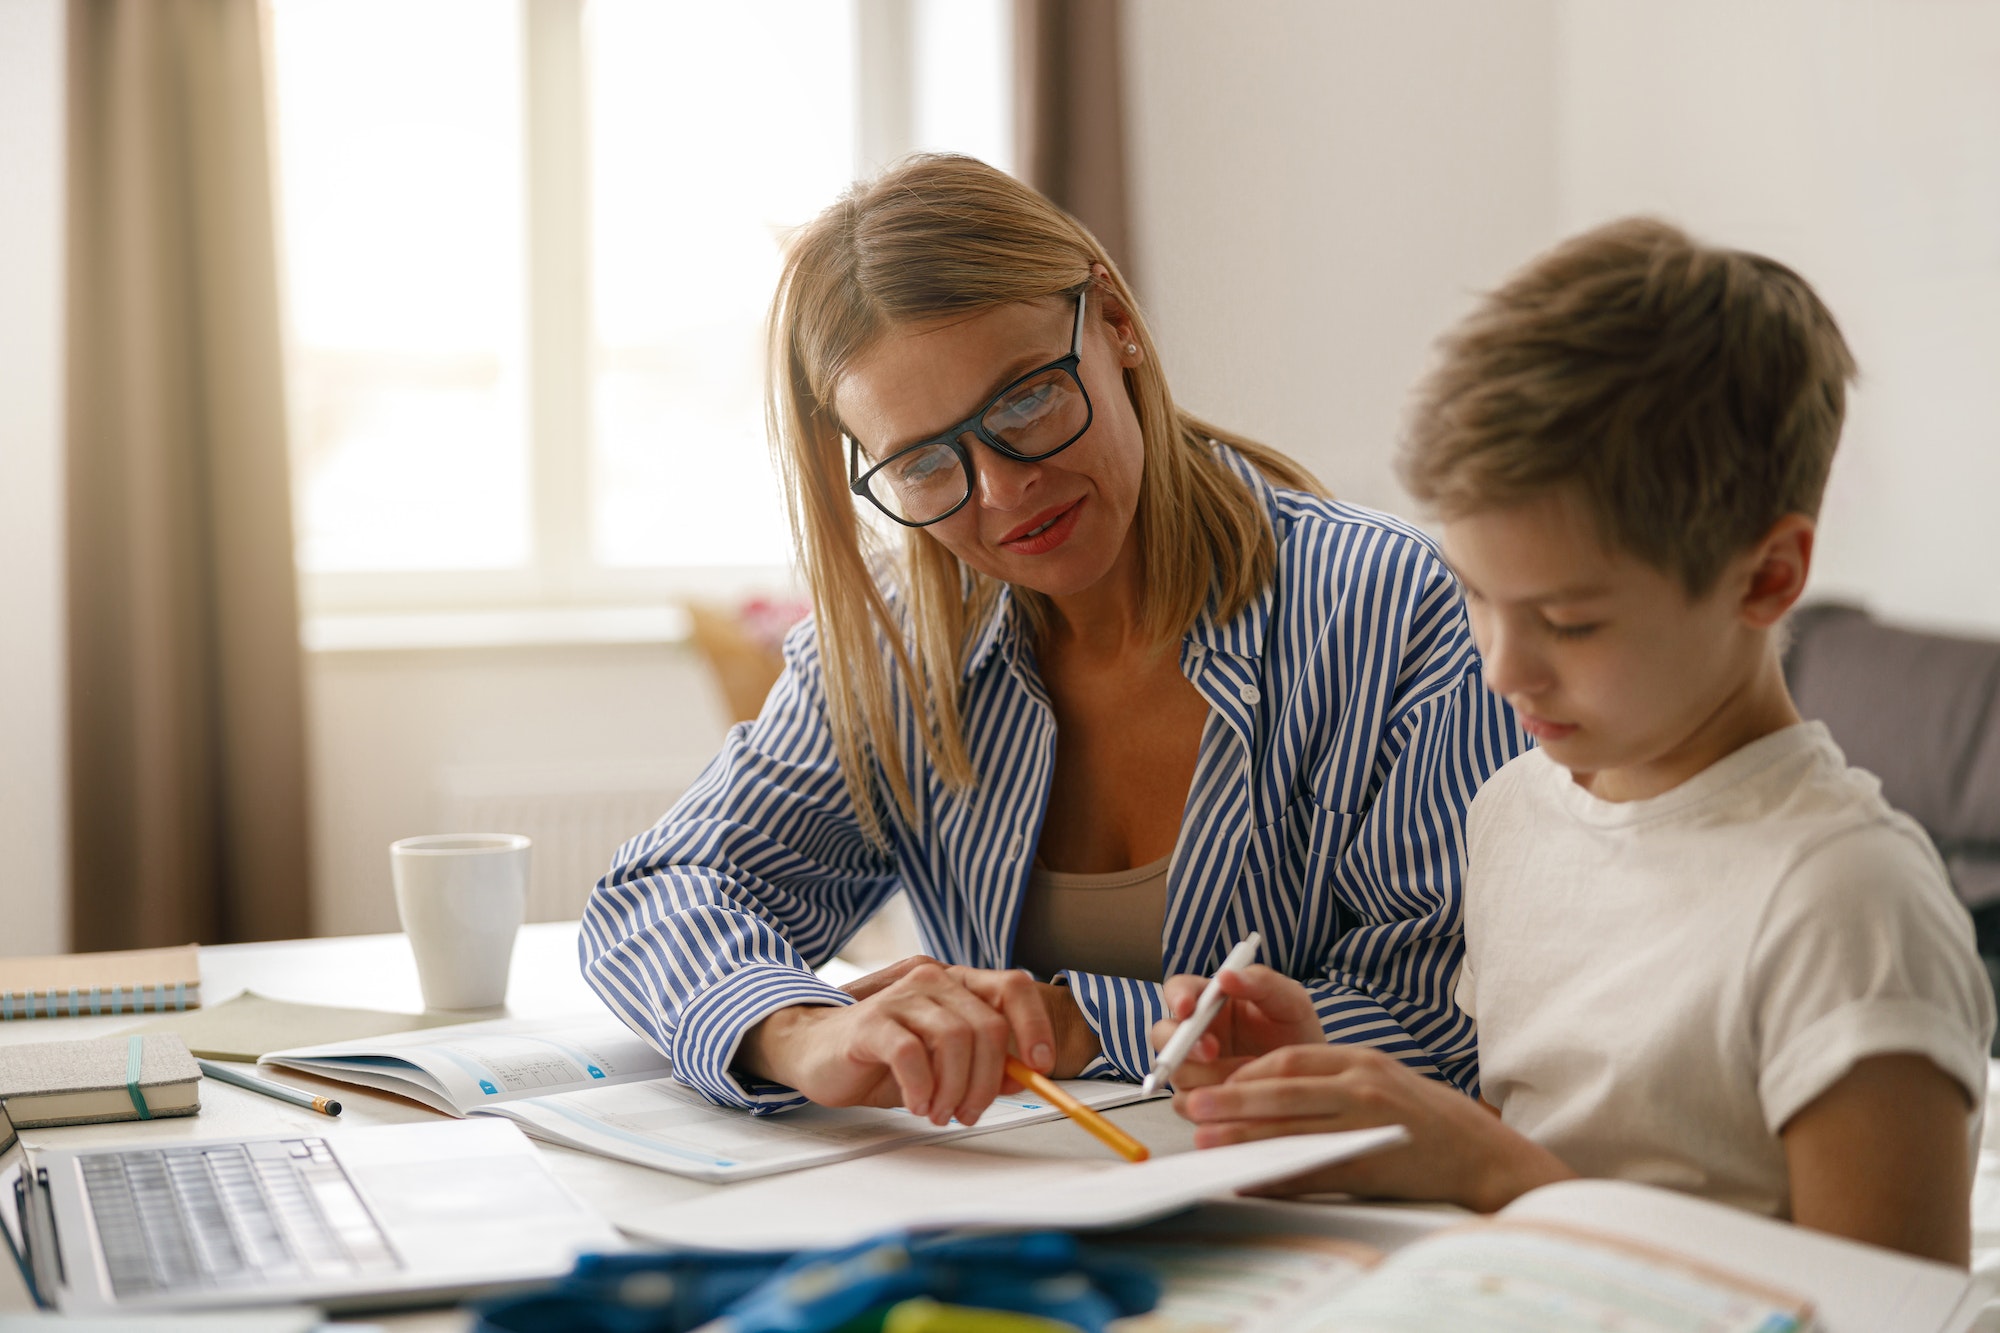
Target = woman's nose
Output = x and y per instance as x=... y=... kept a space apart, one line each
x=1004 y=483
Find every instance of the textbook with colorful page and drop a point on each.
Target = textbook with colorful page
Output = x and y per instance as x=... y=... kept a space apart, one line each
x=1576 y=1257
x=595 y=1085
x=77 y=985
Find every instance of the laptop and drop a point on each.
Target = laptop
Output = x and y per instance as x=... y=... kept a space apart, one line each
x=373 y=1218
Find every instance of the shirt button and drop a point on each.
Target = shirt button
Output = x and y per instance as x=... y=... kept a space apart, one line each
x=1249 y=694
x=1014 y=845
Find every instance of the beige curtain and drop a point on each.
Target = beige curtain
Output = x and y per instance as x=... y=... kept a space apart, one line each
x=186 y=727
x=1069 y=113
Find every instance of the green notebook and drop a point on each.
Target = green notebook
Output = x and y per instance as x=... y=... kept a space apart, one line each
x=100 y=1079
x=250 y=1025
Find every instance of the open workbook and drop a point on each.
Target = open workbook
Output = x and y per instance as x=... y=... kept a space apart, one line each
x=1576 y=1257
x=594 y=1085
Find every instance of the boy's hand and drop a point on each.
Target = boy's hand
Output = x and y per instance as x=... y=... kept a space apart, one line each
x=1264 y=1011
x=1458 y=1151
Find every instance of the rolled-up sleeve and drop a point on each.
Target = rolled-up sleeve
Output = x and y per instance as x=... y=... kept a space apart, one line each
x=714 y=918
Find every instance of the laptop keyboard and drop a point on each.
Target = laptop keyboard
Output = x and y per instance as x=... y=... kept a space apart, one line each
x=229 y=1215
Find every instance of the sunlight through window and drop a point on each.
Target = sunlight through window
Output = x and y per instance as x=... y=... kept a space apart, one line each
x=399 y=167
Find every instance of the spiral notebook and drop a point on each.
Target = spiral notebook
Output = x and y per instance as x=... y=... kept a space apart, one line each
x=75 y=985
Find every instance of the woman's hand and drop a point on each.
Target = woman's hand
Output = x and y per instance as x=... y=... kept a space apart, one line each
x=921 y=1035
x=1263 y=1010
x=1458 y=1150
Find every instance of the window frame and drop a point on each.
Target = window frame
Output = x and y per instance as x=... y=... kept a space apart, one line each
x=560 y=571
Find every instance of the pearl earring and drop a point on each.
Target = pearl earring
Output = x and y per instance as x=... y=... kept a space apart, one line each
x=1131 y=349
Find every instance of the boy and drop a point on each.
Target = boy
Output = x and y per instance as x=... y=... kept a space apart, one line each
x=1701 y=951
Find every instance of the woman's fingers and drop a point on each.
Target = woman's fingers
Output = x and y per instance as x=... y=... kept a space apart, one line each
x=878 y=981
x=950 y=1042
x=986 y=1033
x=964 y=1036
x=908 y=1056
x=944 y=1033
x=1018 y=998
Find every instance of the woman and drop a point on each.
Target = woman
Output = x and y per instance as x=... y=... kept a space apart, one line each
x=1101 y=687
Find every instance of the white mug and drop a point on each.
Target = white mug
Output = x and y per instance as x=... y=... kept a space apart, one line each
x=461 y=897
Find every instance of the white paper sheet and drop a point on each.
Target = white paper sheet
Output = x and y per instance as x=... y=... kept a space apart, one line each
x=669 y=1127
x=931 y=1188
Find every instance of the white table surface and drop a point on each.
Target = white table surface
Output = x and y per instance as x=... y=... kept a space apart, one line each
x=377 y=972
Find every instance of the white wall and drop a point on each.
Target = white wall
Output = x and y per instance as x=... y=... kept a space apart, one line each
x=395 y=733
x=1320 y=187
x=1859 y=143
x=34 y=837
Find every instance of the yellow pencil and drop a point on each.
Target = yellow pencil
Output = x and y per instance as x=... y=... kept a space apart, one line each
x=1044 y=1087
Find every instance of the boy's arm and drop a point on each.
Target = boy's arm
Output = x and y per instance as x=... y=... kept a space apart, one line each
x=1881 y=1157
x=1458 y=1150
x=1873 y=1018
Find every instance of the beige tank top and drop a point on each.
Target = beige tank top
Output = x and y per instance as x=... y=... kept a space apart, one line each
x=1107 y=923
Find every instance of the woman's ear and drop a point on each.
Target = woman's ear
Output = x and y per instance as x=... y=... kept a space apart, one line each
x=1114 y=312
x=1778 y=568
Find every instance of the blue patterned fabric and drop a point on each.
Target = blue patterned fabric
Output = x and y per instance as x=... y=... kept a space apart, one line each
x=1349 y=730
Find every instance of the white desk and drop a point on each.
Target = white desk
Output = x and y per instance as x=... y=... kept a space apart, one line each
x=376 y=971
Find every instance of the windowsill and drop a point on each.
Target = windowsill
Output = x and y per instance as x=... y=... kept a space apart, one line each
x=529 y=628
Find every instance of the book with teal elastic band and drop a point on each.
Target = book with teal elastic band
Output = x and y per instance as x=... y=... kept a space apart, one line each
x=99 y=1079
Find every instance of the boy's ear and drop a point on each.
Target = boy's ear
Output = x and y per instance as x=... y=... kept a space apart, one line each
x=1779 y=565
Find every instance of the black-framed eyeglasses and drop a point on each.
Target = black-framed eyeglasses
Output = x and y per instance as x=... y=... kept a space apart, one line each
x=1038 y=415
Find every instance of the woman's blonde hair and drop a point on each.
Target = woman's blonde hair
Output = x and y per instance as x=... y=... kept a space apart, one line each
x=939 y=235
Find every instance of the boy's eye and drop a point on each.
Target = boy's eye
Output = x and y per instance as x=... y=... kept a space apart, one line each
x=1571 y=631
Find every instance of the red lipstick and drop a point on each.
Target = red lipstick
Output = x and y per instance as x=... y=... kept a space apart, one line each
x=1045 y=531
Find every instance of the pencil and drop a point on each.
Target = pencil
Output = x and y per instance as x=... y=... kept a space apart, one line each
x=1045 y=1087
x=311 y=1101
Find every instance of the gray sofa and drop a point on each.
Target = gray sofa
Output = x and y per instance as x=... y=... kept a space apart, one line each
x=1922 y=712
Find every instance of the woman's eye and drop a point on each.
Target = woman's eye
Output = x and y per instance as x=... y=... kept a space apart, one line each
x=919 y=468
x=1023 y=409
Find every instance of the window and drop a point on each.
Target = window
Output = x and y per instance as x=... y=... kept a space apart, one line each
x=402 y=233
x=527 y=251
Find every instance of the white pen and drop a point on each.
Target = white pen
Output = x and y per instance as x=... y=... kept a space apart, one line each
x=1205 y=1010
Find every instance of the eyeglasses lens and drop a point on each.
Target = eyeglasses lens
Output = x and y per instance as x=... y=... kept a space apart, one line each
x=1040 y=415
x=920 y=485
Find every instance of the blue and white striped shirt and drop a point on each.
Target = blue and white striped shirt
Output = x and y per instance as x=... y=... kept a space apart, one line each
x=1349 y=730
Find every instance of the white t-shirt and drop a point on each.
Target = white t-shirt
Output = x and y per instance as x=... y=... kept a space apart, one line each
x=1660 y=985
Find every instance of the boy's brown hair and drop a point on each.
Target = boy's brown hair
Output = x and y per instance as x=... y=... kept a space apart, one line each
x=1695 y=395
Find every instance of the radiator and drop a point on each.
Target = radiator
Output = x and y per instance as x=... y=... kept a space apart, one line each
x=577 y=815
